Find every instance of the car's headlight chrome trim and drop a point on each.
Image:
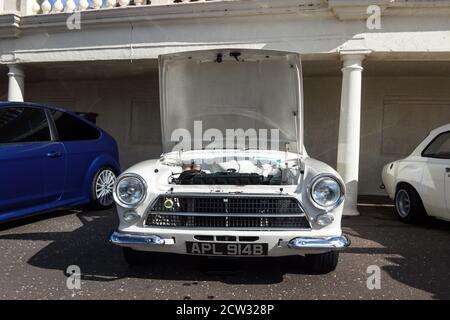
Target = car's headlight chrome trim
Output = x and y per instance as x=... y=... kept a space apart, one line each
x=117 y=198
x=314 y=182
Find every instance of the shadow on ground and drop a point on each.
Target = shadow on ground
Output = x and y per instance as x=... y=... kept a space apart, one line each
x=417 y=256
x=99 y=260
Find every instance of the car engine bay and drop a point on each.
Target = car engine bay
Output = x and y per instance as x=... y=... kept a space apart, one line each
x=249 y=171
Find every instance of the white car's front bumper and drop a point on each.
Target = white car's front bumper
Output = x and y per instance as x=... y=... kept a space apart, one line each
x=280 y=243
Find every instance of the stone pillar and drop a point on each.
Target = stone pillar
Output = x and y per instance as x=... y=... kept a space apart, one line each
x=349 y=129
x=16 y=84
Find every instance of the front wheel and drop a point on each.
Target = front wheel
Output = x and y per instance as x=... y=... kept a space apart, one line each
x=323 y=262
x=102 y=188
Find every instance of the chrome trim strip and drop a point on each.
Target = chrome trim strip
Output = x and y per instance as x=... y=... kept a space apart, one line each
x=124 y=239
x=244 y=215
x=227 y=194
x=332 y=243
x=259 y=229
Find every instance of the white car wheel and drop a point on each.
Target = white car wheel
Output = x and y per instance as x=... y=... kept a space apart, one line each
x=408 y=204
x=403 y=203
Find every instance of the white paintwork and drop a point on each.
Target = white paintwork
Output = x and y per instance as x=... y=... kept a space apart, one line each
x=427 y=175
x=349 y=129
x=157 y=173
x=260 y=91
x=16 y=85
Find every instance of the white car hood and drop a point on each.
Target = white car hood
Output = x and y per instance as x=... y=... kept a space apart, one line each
x=259 y=89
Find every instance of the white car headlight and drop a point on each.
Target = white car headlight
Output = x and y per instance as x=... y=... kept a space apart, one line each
x=130 y=190
x=326 y=192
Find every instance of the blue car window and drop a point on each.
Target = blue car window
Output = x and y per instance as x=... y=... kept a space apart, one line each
x=23 y=124
x=72 y=129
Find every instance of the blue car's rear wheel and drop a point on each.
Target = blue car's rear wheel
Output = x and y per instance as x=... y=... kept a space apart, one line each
x=102 y=188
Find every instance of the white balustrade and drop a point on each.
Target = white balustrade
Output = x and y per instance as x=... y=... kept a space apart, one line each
x=111 y=3
x=97 y=4
x=35 y=7
x=44 y=6
x=70 y=6
x=124 y=3
x=83 y=5
x=58 y=6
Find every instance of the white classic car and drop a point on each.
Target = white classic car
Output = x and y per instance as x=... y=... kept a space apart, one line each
x=420 y=183
x=223 y=199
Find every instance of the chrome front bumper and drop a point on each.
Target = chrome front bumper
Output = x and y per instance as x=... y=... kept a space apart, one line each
x=308 y=245
x=126 y=239
x=332 y=244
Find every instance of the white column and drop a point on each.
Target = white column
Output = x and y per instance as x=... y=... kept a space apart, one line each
x=16 y=83
x=349 y=129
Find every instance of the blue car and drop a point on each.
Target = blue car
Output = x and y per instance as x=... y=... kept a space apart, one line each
x=52 y=159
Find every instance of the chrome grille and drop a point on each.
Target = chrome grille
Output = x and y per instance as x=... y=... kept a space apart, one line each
x=227 y=212
x=238 y=205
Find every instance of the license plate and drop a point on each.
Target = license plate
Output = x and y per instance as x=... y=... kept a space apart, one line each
x=227 y=249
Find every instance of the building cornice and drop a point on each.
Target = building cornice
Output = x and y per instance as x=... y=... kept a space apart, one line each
x=10 y=25
x=357 y=9
x=188 y=10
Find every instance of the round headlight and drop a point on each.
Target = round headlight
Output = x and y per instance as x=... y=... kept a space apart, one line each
x=326 y=192
x=130 y=190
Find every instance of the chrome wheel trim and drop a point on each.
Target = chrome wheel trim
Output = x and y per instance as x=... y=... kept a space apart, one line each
x=403 y=203
x=104 y=185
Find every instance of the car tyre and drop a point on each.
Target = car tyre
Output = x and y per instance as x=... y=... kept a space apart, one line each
x=408 y=205
x=323 y=262
x=135 y=258
x=102 y=188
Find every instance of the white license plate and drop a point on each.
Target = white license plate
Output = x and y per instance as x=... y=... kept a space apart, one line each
x=227 y=249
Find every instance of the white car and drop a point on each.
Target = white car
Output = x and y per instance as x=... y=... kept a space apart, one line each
x=219 y=199
x=420 y=183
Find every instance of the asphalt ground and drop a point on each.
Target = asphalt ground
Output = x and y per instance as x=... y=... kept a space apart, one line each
x=414 y=263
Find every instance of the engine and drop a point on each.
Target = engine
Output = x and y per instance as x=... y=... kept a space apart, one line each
x=229 y=177
x=242 y=174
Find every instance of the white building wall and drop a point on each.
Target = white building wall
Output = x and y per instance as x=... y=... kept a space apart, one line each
x=397 y=113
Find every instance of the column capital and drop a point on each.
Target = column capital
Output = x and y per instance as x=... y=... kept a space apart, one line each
x=352 y=60
x=354 y=55
x=16 y=70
